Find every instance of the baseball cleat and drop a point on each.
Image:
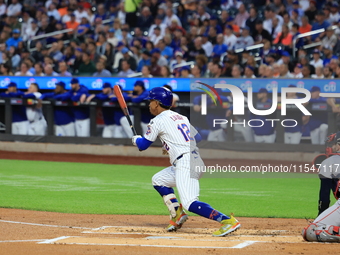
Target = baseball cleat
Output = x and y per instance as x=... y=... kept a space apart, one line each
x=177 y=222
x=227 y=227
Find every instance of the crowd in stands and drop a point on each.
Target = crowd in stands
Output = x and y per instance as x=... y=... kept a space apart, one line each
x=157 y=38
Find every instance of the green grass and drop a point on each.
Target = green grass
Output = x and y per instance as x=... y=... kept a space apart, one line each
x=122 y=189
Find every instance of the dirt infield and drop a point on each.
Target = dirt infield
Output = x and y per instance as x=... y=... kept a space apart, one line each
x=31 y=232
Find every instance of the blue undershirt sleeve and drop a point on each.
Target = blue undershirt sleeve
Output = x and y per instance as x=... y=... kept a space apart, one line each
x=143 y=143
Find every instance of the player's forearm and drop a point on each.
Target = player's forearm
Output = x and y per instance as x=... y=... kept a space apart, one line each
x=143 y=143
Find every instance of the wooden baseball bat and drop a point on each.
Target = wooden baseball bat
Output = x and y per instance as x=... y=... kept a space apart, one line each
x=123 y=106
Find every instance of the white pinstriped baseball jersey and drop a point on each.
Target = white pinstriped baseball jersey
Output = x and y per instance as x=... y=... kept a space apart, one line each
x=173 y=130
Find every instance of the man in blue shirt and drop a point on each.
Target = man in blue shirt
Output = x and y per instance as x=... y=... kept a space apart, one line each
x=320 y=23
x=145 y=61
x=14 y=40
x=20 y=123
x=139 y=94
x=63 y=116
x=219 y=48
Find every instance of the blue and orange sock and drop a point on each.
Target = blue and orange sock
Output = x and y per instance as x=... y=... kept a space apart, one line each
x=205 y=210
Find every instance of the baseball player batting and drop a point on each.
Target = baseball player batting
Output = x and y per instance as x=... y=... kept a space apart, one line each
x=179 y=140
x=326 y=227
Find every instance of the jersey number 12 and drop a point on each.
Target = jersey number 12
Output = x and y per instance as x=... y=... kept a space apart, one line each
x=185 y=131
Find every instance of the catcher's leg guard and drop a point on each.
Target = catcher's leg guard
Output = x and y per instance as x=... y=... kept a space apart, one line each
x=321 y=233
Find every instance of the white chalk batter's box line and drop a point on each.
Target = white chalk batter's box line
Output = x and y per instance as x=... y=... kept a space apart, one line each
x=238 y=246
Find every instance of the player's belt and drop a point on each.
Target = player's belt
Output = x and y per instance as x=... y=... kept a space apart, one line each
x=181 y=156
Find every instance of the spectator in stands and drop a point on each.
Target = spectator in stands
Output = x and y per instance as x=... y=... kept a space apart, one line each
x=229 y=38
x=161 y=60
x=333 y=65
x=318 y=24
x=48 y=70
x=249 y=72
x=101 y=71
x=145 y=20
x=5 y=70
x=330 y=39
x=318 y=73
x=24 y=70
x=327 y=72
x=177 y=61
x=298 y=71
x=270 y=16
x=284 y=72
x=276 y=70
x=3 y=7
x=285 y=38
x=166 y=51
x=244 y=40
x=63 y=69
x=334 y=16
x=101 y=43
x=11 y=58
x=287 y=20
x=146 y=72
x=126 y=70
x=156 y=35
x=145 y=60
x=101 y=12
x=241 y=16
x=196 y=71
x=111 y=37
x=328 y=55
x=52 y=11
x=220 y=47
x=163 y=71
x=14 y=9
x=311 y=12
x=30 y=31
x=306 y=71
x=72 y=23
x=236 y=71
x=305 y=26
x=14 y=40
x=38 y=69
x=269 y=72
x=185 y=72
x=207 y=45
x=251 y=21
x=259 y=34
x=317 y=61
x=80 y=13
x=87 y=67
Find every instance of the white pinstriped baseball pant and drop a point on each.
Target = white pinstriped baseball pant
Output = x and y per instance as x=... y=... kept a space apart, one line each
x=179 y=176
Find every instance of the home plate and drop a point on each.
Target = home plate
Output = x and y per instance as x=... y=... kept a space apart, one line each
x=152 y=242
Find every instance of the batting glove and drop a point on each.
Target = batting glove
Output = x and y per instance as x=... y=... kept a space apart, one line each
x=134 y=139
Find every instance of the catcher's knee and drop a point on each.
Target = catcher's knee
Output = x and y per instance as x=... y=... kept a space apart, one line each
x=321 y=233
